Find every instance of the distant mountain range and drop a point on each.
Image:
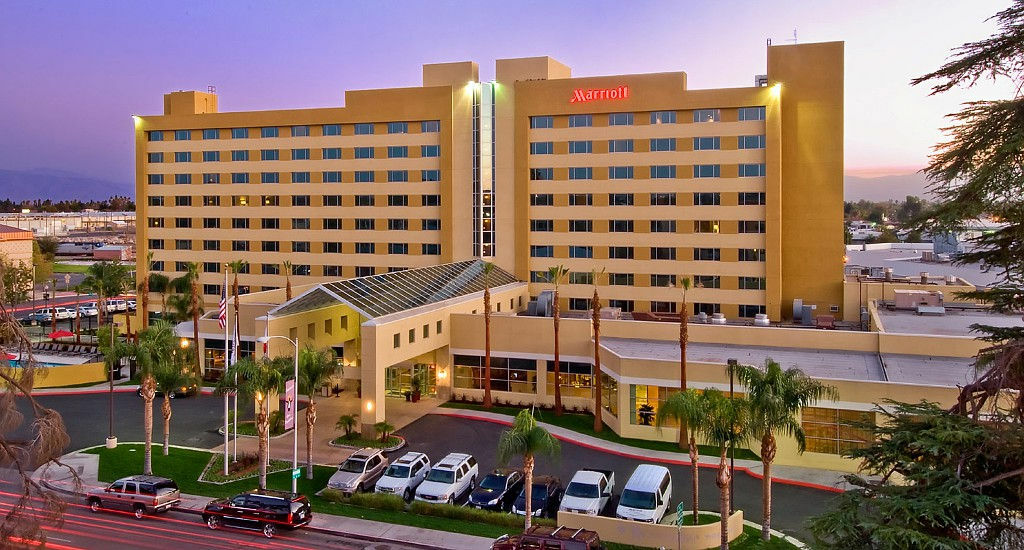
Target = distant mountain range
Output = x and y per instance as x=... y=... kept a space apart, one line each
x=885 y=187
x=57 y=185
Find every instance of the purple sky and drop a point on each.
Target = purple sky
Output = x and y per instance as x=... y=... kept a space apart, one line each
x=72 y=73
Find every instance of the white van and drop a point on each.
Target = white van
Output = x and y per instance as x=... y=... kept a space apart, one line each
x=116 y=304
x=646 y=495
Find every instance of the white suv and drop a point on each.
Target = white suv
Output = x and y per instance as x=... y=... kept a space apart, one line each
x=404 y=475
x=449 y=479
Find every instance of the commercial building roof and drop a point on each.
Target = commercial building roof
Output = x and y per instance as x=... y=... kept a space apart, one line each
x=955 y=322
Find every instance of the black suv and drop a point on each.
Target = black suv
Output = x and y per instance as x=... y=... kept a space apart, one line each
x=497 y=490
x=260 y=509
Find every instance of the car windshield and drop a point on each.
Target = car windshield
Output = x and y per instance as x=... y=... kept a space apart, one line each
x=353 y=465
x=582 y=490
x=441 y=476
x=637 y=499
x=540 y=493
x=493 y=482
x=397 y=471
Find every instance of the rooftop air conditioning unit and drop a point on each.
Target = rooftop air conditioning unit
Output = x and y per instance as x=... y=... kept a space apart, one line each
x=718 y=319
x=761 y=320
x=702 y=317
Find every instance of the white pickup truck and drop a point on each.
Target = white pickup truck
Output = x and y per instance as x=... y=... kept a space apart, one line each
x=588 y=492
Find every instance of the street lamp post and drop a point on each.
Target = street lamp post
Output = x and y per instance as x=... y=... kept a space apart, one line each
x=295 y=418
x=46 y=306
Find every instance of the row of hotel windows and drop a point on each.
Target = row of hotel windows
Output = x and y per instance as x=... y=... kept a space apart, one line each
x=394 y=224
x=426 y=249
x=657 y=226
x=298 y=223
x=656 y=253
x=656 y=145
x=656 y=199
x=655 y=172
x=359 y=176
x=656 y=117
x=656 y=280
x=326 y=153
x=296 y=200
x=426 y=126
x=275 y=269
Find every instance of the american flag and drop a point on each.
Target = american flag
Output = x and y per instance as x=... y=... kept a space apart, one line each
x=222 y=316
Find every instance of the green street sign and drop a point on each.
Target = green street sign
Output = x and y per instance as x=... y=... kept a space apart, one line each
x=296 y=473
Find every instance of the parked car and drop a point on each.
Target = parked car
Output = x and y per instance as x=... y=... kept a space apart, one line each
x=497 y=490
x=130 y=304
x=542 y=536
x=646 y=495
x=262 y=510
x=449 y=479
x=116 y=304
x=40 y=316
x=359 y=472
x=588 y=492
x=547 y=493
x=87 y=310
x=139 y=494
x=65 y=313
x=404 y=475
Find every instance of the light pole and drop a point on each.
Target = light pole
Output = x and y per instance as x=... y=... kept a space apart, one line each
x=295 y=418
x=733 y=363
x=46 y=305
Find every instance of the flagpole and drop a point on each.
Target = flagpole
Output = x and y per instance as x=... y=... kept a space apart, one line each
x=222 y=314
x=234 y=359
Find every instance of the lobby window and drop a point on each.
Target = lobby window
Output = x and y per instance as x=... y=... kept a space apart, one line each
x=364 y=270
x=581 y=146
x=542 y=225
x=430 y=150
x=620 y=279
x=663 y=307
x=706 y=308
x=707 y=199
x=359 y=152
x=335 y=223
x=542 y=251
x=663 y=226
x=620 y=119
x=620 y=252
x=430 y=126
x=663 y=117
x=270 y=223
x=581 y=173
x=300 y=131
x=156 y=201
x=707 y=115
x=706 y=226
x=431 y=249
x=300 y=200
x=300 y=246
x=182 y=135
x=707 y=143
x=663 y=280
x=620 y=146
x=331 y=177
x=398 y=176
x=750 y=142
x=270 y=177
x=366 y=248
x=239 y=133
x=751 y=170
x=183 y=201
x=398 y=151
x=156 y=244
x=398 y=200
x=584 y=226
x=751 y=113
x=364 y=128
x=300 y=177
x=239 y=155
x=663 y=199
x=430 y=175
x=577 y=379
x=707 y=254
x=707 y=171
x=624 y=305
x=332 y=200
x=364 y=200
x=751 y=255
x=155 y=222
x=239 y=223
x=334 y=153
x=430 y=225
x=581 y=278
x=182 y=223
x=581 y=199
x=542 y=199
x=751 y=226
x=268 y=132
x=535 y=122
x=211 y=200
x=300 y=223
x=751 y=310
x=211 y=245
x=707 y=281
x=398 y=224
x=663 y=172
x=542 y=148
x=211 y=223
x=156 y=157
x=332 y=129
x=398 y=127
x=579 y=304
x=156 y=179
x=398 y=248
x=620 y=199
x=620 y=172
x=748 y=199
x=239 y=246
x=752 y=283
x=239 y=177
x=211 y=156
x=155 y=135
x=580 y=121
x=211 y=178
x=663 y=253
x=271 y=269
x=835 y=431
x=620 y=226
x=301 y=270
x=581 y=252
x=300 y=154
x=542 y=174
x=182 y=179
x=363 y=176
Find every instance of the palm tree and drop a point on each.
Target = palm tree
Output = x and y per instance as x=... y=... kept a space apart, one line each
x=257 y=379
x=106 y=279
x=144 y=291
x=172 y=374
x=555 y=276
x=595 y=315
x=526 y=439
x=346 y=422
x=684 y=337
x=687 y=408
x=776 y=397
x=316 y=367
x=488 y=267
x=154 y=348
x=287 y=265
x=725 y=421
x=236 y=267
x=196 y=305
x=158 y=282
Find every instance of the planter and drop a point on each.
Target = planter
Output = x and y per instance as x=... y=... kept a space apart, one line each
x=415 y=397
x=339 y=442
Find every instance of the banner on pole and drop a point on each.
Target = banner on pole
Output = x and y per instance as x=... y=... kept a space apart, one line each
x=289 y=404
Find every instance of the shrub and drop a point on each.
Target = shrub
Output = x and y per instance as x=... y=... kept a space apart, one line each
x=276 y=422
x=377 y=501
x=346 y=422
x=465 y=513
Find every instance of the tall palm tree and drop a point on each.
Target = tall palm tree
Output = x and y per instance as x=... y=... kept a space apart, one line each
x=153 y=349
x=776 y=397
x=595 y=315
x=172 y=374
x=144 y=291
x=688 y=408
x=526 y=439
x=555 y=276
x=316 y=367
x=196 y=304
x=287 y=265
x=684 y=337
x=257 y=379
x=488 y=267
x=725 y=422
x=158 y=282
x=106 y=279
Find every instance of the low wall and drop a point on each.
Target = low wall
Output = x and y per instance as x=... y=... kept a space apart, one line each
x=687 y=537
x=69 y=375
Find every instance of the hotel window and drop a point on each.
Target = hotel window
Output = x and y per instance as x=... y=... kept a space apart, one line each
x=211 y=290
x=300 y=131
x=239 y=133
x=397 y=340
x=270 y=177
x=270 y=200
x=364 y=128
x=268 y=132
x=211 y=245
x=707 y=281
x=581 y=146
x=581 y=278
x=430 y=249
x=211 y=200
x=239 y=200
x=751 y=170
x=158 y=265
x=398 y=176
x=398 y=200
x=156 y=244
x=331 y=271
x=580 y=121
x=211 y=178
x=542 y=251
x=707 y=254
x=751 y=113
x=620 y=172
x=271 y=269
x=663 y=280
x=706 y=226
x=334 y=153
x=751 y=310
x=707 y=199
x=332 y=200
x=620 y=119
x=331 y=177
x=542 y=174
x=398 y=248
x=578 y=304
x=430 y=200
x=620 y=226
x=183 y=201
x=752 y=283
x=707 y=115
x=364 y=271
x=360 y=153
x=301 y=270
x=581 y=199
x=300 y=200
x=239 y=155
x=542 y=148
x=211 y=223
x=362 y=176
x=396 y=224
x=430 y=225
x=430 y=126
x=707 y=171
x=581 y=252
x=211 y=156
x=507 y=374
x=332 y=129
x=663 y=307
x=181 y=266
x=663 y=144
x=751 y=255
x=156 y=201
x=663 y=117
x=542 y=199
x=746 y=199
x=156 y=135
x=706 y=308
x=538 y=276
x=750 y=142
x=364 y=200
x=584 y=226
x=707 y=143
x=663 y=172
x=430 y=175
x=577 y=379
x=620 y=146
x=182 y=179
x=335 y=223
x=663 y=199
x=156 y=157
x=620 y=279
x=751 y=226
x=430 y=150
x=663 y=253
x=239 y=246
x=398 y=127
x=537 y=122
x=300 y=154
x=300 y=177
x=581 y=173
x=624 y=305
x=182 y=135
x=270 y=223
x=211 y=267
x=542 y=225
x=300 y=246
x=620 y=252
x=620 y=199
x=300 y=223
x=398 y=151
x=835 y=431
x=156 y=179
x=239 y=223
x=663 y=226
x=366 y=248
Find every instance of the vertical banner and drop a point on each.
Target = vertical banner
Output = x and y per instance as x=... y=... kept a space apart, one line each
x=289 y=404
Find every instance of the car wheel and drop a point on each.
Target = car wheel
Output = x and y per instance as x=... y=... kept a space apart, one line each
x=269 y=530
x=174 y=394
x=139 y=511
x=94 y=504
x=451 y=500
x=213 y=522
x=472 y=484
x=407 y=496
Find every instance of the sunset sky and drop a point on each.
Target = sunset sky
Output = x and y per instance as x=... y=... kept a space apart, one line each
x=72 y=73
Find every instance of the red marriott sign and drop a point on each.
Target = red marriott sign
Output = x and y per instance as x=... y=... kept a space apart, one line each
x=580 y=95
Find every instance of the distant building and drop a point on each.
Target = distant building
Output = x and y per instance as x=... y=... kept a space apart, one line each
x=111 y=252
x=16 y=245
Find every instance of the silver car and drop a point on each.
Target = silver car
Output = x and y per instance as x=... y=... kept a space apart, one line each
x=360 y=472
x=140 y=495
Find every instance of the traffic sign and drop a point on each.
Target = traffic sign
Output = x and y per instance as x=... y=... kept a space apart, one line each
x=296 y=473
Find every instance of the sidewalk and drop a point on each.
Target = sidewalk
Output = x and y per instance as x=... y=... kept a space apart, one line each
x=87 y=467
x=814 y=478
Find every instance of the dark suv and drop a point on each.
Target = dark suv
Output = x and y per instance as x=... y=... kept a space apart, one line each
x=497 y=490
x=261 y=509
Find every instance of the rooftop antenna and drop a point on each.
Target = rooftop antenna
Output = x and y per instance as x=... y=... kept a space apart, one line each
x=793 y=40
x=213 y=89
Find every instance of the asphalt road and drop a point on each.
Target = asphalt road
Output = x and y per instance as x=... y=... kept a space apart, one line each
x=438 y=435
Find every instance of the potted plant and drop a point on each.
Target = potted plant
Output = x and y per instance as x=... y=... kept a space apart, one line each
x=417 y=385
x=408 y=395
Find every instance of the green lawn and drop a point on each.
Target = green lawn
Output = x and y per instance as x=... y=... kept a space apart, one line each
x=584 y=423
x=69 y=268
